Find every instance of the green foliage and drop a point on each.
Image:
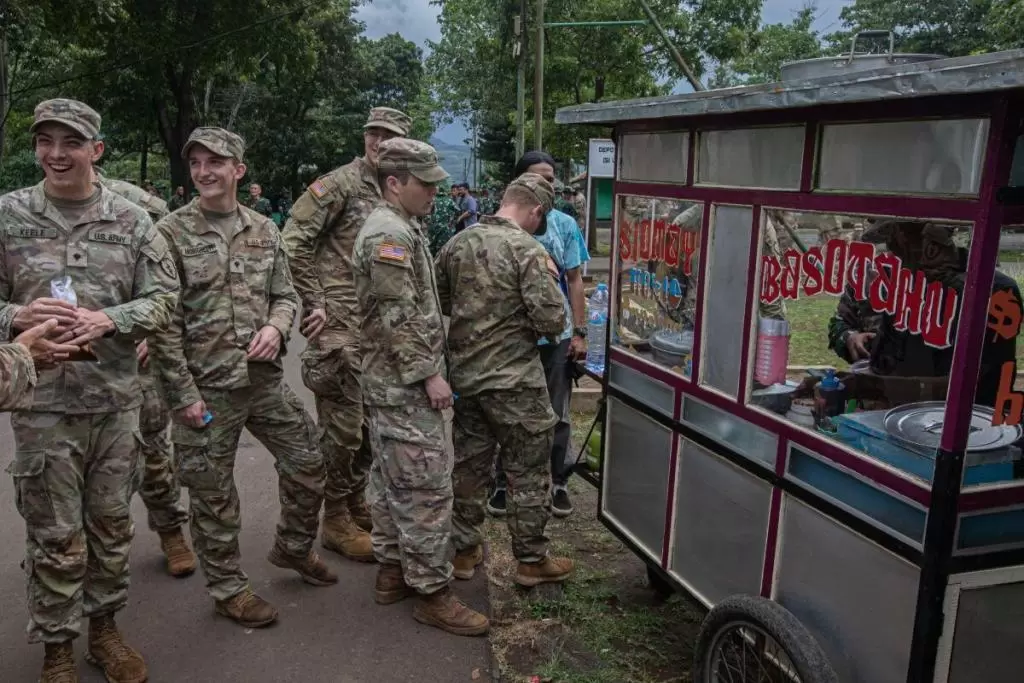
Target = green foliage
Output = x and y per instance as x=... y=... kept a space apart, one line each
x=767 y=49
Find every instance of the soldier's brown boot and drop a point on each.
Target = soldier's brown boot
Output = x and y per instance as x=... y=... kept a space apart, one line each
x=391 y=586
x=466 y=561
x=247 y=609
x=120 y=663
x=59 y=664
x=548 y=570
x=181 y=561
x=311 y=568
x=360 y=512
x=445 y=611
x=342 y=535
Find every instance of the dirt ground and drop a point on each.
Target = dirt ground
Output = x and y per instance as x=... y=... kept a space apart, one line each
x=608 y=625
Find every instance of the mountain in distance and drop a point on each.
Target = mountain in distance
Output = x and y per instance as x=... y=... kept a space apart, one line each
x=454 y=158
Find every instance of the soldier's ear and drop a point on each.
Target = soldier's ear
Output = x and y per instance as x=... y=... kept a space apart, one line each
x=240 y=170
x=97 y=150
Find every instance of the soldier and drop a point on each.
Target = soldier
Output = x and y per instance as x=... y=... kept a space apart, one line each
x=178 y=200
x=441 y=224
x=160 y=489
x=501 y=290
x=407 y=395
x=579 y=202
x=565 y=205
x=77 y=446
x=19 y=360
x=220 y=362
x=257 y=202
x=319 y=238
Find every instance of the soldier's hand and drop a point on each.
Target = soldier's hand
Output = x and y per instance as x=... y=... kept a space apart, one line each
x=142 y=353
x=265 y=345
x=43 y=351
x=192 y=416
x=88 y=325
x=577 y=348
x=41 y=310
x=313 y=324
x=439 y=393
x=857 y=345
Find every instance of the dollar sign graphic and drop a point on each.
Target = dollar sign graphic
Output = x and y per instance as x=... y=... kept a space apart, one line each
x=1004 y=314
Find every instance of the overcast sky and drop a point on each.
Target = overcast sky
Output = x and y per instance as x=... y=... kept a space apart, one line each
x=416 y=20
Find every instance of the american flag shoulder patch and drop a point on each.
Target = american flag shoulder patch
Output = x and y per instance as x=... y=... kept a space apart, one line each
x=391 y=252
x=318 y=189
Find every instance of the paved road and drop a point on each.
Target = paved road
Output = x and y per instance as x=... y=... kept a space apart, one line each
x=324 y=635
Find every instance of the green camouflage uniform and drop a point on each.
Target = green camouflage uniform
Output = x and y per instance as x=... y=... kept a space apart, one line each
x=494 y=283
x=17 y=377
x=441 y=222
x=76 y=455
x=319 y=237
x=160 y=489
x=261 y=205
x=230 y=290
x=410 y=490
x=176 y=203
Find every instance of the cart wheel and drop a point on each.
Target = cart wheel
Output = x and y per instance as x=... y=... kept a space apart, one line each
x=748 y=639
x=658 y=583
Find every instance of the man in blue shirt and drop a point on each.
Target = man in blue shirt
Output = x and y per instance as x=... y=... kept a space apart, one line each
x=567 y=248
x=470 y=211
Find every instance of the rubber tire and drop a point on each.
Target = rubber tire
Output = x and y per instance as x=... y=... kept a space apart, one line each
x=658 y=584
x=775 y=620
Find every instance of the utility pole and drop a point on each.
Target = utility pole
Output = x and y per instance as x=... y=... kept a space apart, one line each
x=538 y=81
x=519 y=52
x=678 y=58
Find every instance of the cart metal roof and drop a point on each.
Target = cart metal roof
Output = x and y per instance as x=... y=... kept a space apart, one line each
x=953 y=76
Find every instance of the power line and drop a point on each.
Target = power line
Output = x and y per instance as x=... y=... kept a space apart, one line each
x=189 y=46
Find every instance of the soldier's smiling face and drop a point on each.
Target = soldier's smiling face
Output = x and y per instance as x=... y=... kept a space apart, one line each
x=214 y=176
x=372 y=137
x=66 y=158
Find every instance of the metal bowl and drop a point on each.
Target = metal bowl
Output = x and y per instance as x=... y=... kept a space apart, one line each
x=777 y=398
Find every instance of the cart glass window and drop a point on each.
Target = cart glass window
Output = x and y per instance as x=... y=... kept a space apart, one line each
x=751 y=157
x=1017 y=170
x=854 y=335
x=658 y=251
x=654 y=157
x=912 y=157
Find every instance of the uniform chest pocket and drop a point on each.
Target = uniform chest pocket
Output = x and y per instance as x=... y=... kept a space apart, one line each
x=201 y=264
x=257 y=262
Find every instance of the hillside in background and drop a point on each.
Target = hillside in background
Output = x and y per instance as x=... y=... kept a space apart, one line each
x=454 y=158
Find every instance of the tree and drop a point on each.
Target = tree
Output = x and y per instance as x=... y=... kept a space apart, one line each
x=768 y=49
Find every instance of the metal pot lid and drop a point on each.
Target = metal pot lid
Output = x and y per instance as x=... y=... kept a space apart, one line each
x=788 y=388
x=920 y=425
x=671 y=341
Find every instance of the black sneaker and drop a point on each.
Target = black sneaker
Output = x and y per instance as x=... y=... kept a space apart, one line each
x=496 y=505
x=561 y=506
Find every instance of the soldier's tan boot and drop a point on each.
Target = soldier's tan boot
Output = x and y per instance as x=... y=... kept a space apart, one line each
x=59 y=664
x=311 y=568
x=247 y=609
x=342 y=535
x=107 y=650
x=181 y=561
x=445 y=611
x=466 y=561
x=391 y=586
x=360 y=512
x=549 y=570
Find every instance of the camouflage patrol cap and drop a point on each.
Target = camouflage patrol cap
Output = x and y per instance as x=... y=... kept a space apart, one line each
x=76 y=115
x=221 y=142
x=539 y=187
x=418 y=158
x=389 y=119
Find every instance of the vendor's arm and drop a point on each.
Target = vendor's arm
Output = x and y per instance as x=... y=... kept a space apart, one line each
x=574 y=256
x=845 y=336
x=393 y=285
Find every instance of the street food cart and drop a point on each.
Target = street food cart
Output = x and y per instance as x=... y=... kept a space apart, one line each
x=812 y=412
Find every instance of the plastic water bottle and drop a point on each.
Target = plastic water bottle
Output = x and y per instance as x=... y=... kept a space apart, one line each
x=597 y=320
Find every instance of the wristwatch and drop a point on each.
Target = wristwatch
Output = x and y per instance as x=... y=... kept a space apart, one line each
x=579 y=332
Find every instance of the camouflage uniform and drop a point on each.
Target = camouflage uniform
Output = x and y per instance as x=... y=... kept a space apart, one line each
x=260 y=205
x=231 y=290
x=160 y=489
x=17 y=377
x=494 y=283
x=579 y=203
x=441 y=222
x=319 y=237
x=410 y=488
x=176 y=203
x=77 y=445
